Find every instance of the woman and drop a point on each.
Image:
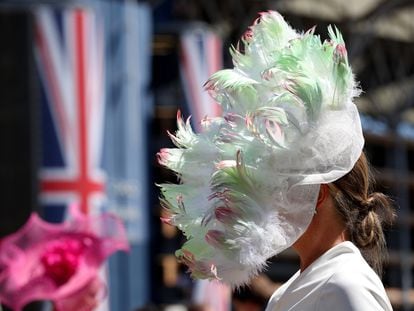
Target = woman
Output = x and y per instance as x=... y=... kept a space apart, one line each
x=250 y=180
x=333 y=274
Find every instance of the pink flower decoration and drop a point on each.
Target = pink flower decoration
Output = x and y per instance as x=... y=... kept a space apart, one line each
x=61 y=259
x=57 y=262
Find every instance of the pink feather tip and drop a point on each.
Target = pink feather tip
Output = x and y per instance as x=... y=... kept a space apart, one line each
x=340 y=53
x=58 y=262
x=162 y=156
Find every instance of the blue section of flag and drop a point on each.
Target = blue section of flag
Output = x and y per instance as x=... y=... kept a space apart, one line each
x=125 y=153
x=51 y=155
x=58 y=18
x=54 y=213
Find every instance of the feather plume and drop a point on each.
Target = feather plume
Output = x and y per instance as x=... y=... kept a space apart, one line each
x=249 y=181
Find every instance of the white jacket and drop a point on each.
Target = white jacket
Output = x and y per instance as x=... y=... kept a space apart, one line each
x=339 y=280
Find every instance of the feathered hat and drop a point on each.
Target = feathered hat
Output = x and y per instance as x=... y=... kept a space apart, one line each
x=250 y=180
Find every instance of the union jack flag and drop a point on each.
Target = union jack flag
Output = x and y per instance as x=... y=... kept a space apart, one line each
x=69 y=51
x=200 y=57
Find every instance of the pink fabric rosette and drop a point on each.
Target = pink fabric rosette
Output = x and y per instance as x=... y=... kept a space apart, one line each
x=58 y=262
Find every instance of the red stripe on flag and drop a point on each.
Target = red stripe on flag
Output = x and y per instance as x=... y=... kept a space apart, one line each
x=192 y=81
x=80 y=52
x=214 y=64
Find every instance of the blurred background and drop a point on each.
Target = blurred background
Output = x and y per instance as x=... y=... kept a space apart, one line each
x=88 y=90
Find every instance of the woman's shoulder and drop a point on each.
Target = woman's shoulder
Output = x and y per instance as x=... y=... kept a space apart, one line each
x=354 y=286
x=339 y=280
x=354 y=271
x=353 y=292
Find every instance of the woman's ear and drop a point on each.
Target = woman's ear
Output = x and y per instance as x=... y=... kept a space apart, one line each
x=323 y=193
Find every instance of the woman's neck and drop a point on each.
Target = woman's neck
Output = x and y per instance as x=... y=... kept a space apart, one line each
x=309 y=251
x=324 y=232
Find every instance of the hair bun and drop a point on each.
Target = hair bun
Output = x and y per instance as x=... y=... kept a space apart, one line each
x=381 y=205
x=370 y=203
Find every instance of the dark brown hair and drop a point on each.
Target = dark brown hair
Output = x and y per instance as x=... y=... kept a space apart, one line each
x=364 y=212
